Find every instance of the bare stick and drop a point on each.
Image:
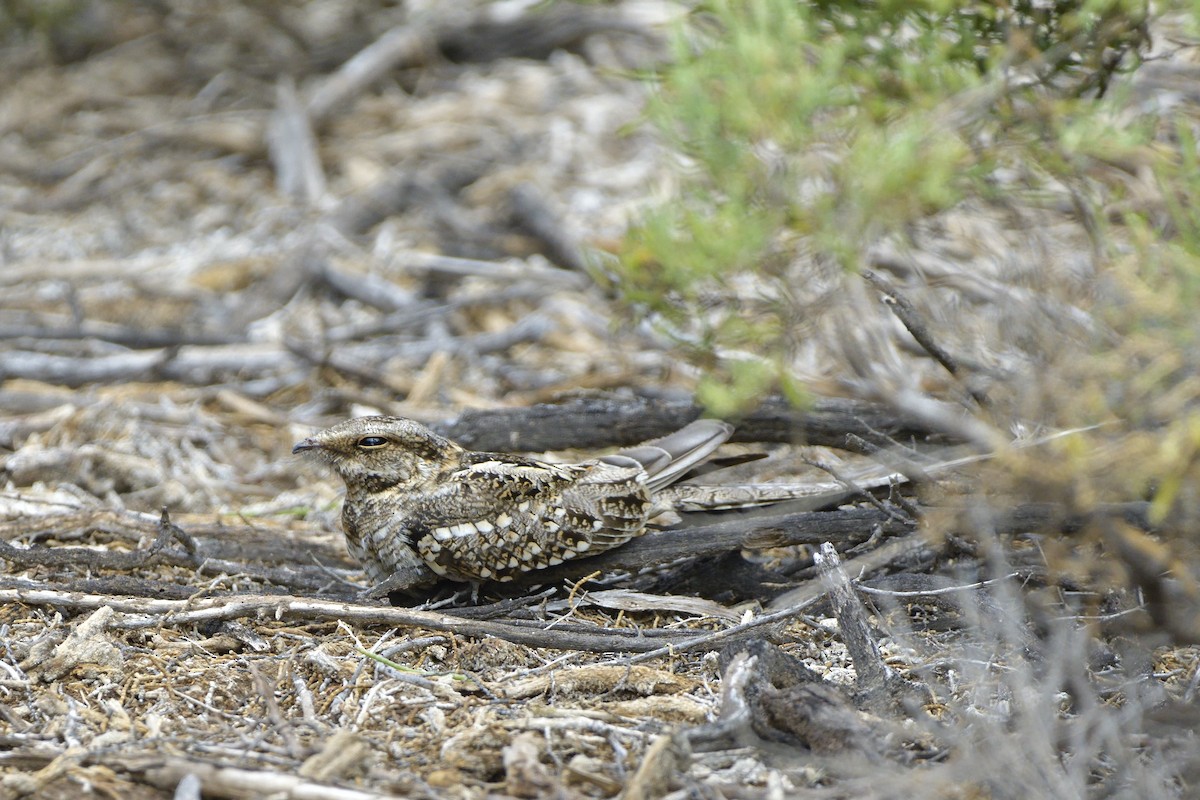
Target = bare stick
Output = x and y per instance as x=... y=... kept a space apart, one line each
x=904 y=310
x=150 y=612
x=61 y=327
x=734 y=725
x=293 y=147
x=190 y=364
x=533 y=213
x=370 y=289
x=404 y=44
x=507 y=271
x=852 y=619
x=800 y=598
x=101 y=559
x=217 y=781
x=602 y=421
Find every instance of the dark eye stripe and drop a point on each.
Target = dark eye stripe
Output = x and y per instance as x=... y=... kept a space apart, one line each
x=372 y=441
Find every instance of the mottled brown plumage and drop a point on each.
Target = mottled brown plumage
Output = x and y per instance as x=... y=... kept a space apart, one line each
x=418 y=506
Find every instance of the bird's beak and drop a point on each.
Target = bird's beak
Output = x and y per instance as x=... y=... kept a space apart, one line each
x=305 y=444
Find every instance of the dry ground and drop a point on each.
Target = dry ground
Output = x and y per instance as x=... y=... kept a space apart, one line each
x=191 y=281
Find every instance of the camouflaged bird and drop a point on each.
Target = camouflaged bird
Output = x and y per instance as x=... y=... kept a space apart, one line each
x=419 y=507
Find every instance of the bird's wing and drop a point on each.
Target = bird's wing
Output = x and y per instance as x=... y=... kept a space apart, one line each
x=497 y=517
x=669 y=458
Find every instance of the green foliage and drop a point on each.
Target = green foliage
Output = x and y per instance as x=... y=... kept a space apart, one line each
x=38 y=15
x=730 y=393
x=840 y=123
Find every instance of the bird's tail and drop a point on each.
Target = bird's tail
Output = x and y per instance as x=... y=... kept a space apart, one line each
x=800 y=497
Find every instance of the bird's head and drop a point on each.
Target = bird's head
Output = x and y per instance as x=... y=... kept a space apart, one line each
x=377 y=453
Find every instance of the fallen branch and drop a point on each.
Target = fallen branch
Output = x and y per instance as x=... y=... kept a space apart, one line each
x=400 y=46
x=847 y=525
x=92 y=559
x=772 y=702
x=189 y=364
x=145 y=612
x=873 y=675
x=292 y=147
x=608 y=420
x=533 y=213
x=801 y=599
x=904 y=310
x=60 y=327
x=214 y=780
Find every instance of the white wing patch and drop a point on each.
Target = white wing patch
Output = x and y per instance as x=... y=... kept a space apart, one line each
x=461 y=529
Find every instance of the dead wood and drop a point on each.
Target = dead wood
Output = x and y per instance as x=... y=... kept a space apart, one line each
x=292 y=146
x=264 y=554
x=170 y=773
x=873 y=675
x=316 y=580
x=414 y=318
x=599 y=679
x=264 y=542
x=370 y=289
x=822 y=719
x=139 y=613
x=1169 y=585
x=467 y=37
x=799 y=600
x=394 y=193
x=734 y=727
x=401 y=46
x=541 y=275
x=604 y=421
x=189 y=364
x=60 y=327
x=32 y=413
x=206 y=365
x=907 y=313
x=879 y=688
x=790 y=720
x=775 y=666
x=90 y=559
x=941 y=599
x=120 y=585
x=532 y=213
x=667 y=756
x=534 y=35
x=51 y=659
x=765 y=529
x=80 y=271
x=530 y=620
x=655 y=550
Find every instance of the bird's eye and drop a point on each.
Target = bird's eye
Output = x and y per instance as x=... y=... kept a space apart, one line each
x=372 y=442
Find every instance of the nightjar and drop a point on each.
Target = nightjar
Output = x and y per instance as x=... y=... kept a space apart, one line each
x=419 y=507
